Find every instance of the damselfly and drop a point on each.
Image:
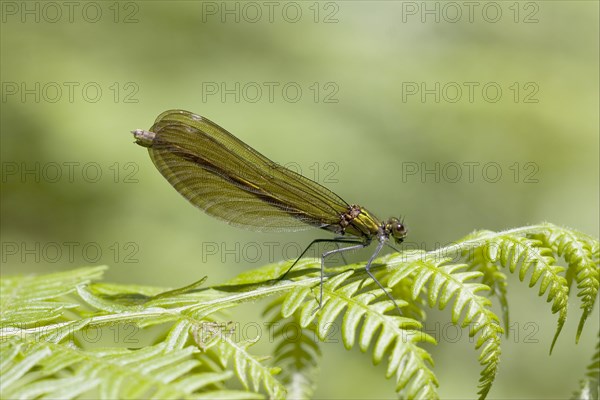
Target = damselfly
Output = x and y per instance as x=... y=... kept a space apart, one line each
x=229 y=180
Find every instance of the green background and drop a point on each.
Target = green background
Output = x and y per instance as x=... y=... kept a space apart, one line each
x=448 y=161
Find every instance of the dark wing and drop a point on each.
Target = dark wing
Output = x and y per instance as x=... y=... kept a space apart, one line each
x=228 y=179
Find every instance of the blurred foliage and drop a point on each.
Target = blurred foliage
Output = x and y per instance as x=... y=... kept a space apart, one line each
x=163 y=55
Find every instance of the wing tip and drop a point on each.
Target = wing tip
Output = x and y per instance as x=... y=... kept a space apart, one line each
x=144 y=138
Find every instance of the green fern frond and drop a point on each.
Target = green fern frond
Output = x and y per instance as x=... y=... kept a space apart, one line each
x=45 y=359
x=492 y=275
x=589 y=387
x=581 y=255
x=415 y=308
x=248 y=366
x=525 y=253
x=44 y=321
x=441 y=282
x=58 y=370
x=297 y=353
x=40 y=299
x=363 y=304
x=220 y=340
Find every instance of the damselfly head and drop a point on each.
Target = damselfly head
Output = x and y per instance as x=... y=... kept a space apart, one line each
x=395 y=228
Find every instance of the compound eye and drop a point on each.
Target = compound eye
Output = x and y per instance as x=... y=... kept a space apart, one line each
x=398 y=230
